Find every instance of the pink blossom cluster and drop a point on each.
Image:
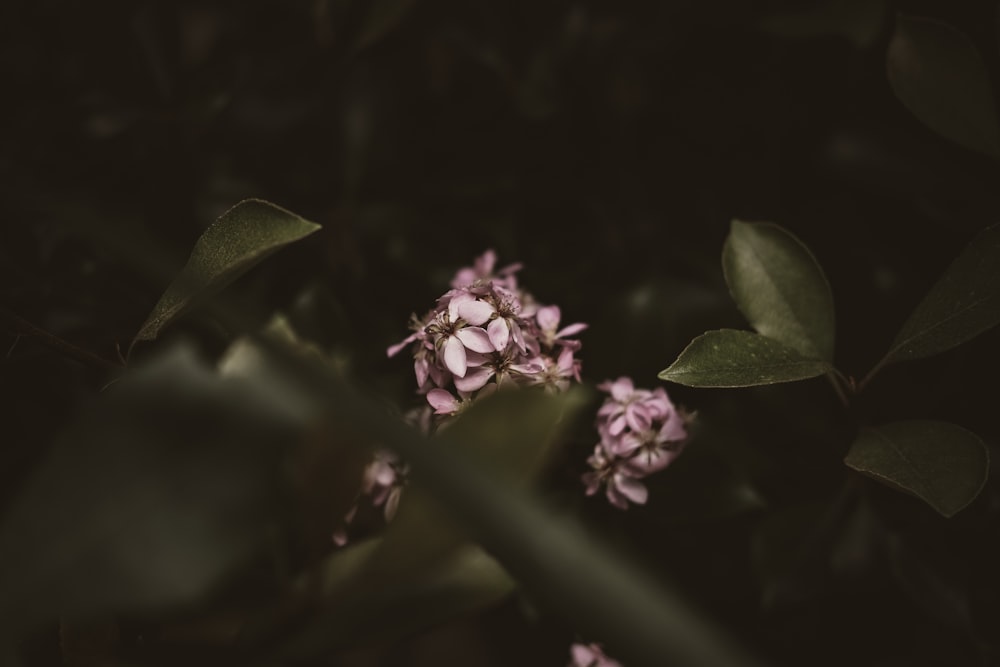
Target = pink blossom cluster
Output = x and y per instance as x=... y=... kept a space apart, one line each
x=641 y=433
x=486 y=332
x=483 y=333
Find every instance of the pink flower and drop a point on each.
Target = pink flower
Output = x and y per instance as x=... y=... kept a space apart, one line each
x=486 y=332
x=620 y=486
x=590 y=655
x=641 y=432
x=631 y=407
x=383 y=480
x=547 y=319
x=453 y=338
x=482 y=271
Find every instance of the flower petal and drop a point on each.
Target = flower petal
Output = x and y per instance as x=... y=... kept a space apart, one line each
x=476 y=339
x=474 y=380
x=572 y=329
x=621 y=389
x=673 y=430
x=420 y=369
x=631 y=488
x=499 y=333
x=475 y=312
x=454 y=356
x=617 y=425
x=394 y=349
x=637 y=417
x=442 y=401
x=548 y=318
x=455 y=301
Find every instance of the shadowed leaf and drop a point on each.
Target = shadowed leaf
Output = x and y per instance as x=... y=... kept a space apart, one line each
x=422 y=572
x=780 y=288
x=964 y=303
x=170 y=482
x=731 y=358
x=937 y=73
x=233 y=244
x=942 y=464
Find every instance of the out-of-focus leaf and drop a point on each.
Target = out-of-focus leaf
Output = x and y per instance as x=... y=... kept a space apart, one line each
x=964 y=303
x=939 y=75
x=938 y=592
x=942 y=464
x=558 y=565
x=857 y=20
x=170 y=483
x=420 y=573
x=326 y=469
x=731 y=358
x=780 y=288
x=385 y=605
x=232 y=245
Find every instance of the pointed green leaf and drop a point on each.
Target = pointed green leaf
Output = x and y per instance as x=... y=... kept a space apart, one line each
x=779 y=287
x=233 y=244
x=964 y=303
x=937 y=73
x=942 y=464
x=731 y=358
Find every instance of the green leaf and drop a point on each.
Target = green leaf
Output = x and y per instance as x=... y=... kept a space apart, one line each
x=561 y=566
x=380 y=605
x=232 y=245
x=964 y=303
x=165 y=488
x=779 y=287
x=422 y=571
x=937 y=73
x=942 y=464
x=731 y=358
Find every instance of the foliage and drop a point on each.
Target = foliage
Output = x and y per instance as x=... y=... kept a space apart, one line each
x=188 y=413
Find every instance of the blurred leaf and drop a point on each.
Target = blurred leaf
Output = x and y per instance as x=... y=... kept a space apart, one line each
x=232 y=245
x=387 y=605
x=964 y=303
x=780 y=288
x=551 y=558
x=930 y=585
x=939 y=75
x=511 y=432
x=857 y=20
x=170 y=482
x=731 y=358
x=942 y=464
x=420 y=572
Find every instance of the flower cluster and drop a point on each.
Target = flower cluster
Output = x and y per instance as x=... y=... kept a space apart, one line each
x=641 y=433
x=486 y=332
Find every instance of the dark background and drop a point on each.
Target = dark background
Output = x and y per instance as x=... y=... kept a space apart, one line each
x=605 y=145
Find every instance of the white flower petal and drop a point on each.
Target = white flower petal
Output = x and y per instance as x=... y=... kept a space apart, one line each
x=499 y=333
x=475 y=312
x=454 y=356
x=476 y=339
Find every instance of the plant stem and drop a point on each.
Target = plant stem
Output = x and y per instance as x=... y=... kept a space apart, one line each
x=835 y=381
x=871 y=374
x=22 y=327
